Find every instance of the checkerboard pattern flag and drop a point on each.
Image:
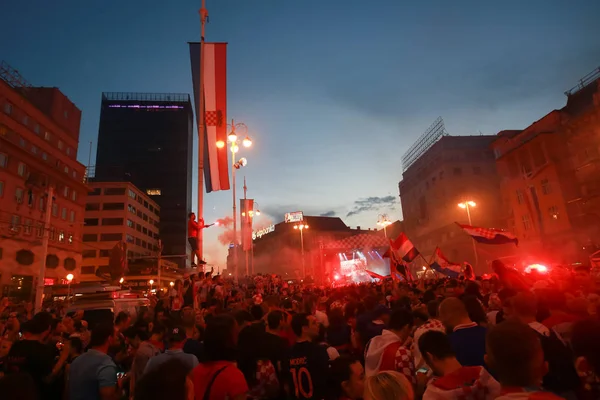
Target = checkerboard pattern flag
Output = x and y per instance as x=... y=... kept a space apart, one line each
x=210 y=118
x=489 y=235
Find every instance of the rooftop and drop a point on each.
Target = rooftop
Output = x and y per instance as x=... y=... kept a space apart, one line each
x=133 y=96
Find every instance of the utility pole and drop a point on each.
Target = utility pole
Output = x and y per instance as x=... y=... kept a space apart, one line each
x=159 y=258
x=244 y=235
x=39 y=293
x=201 y=133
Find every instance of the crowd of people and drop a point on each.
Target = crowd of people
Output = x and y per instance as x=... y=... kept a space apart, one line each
x=211 y=339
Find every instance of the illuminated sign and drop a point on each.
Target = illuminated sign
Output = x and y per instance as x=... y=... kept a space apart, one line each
x=262 y=232
x=295 y=216
x=153 y=192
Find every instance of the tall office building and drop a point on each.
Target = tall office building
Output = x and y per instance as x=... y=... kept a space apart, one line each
x=146 y=139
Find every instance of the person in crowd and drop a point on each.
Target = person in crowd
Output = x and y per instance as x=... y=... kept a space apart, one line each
x=93 y=375
x=561 y=377
x=147 y=349
x=5 y=345
x=453 y=381
x=504 y=296
x=387 y=385
x=176 y=339
x=19 y=386
x=560 y=320
x=169 y=380
x=431 y=324
x=390 y=351
x=275 y=346
x=307 y=363
x=219 y=377
x=467 y=338
x=339 y=332
x=515 y=354
x=346 y=379
x=586 y=347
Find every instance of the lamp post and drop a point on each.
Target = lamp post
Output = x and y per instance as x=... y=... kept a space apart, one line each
x=69 y=279
x=151 y=282
x=467 y=205
x=301 y=227
x=384 y=220
x=250 y=214
x=233 y=140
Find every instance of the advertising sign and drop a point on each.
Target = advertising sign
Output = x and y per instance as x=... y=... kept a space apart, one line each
x=262 y=232
x=292 y=217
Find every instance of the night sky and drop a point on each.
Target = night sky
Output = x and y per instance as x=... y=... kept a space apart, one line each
x=333 y=91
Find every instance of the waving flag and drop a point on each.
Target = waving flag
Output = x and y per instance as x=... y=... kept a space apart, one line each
x=403 y=249
x=442 y=265
x=216 y=168
x=489 y=235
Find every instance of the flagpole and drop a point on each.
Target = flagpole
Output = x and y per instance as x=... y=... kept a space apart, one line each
x=201 y=134
x=245 y=226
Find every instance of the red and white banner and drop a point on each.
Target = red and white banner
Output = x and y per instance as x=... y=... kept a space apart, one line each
x=216 y=167
x=403 y=248
x=489 y=235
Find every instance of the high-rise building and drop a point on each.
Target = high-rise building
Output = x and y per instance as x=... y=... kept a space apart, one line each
x=146 y=139
x=39 y=136
x=446 y=171
x=550 y=178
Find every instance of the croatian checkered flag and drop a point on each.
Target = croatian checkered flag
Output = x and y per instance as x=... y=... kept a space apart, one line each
x=489 y=235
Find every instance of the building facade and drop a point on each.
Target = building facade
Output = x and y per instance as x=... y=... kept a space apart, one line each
x=117 y=212
x=452 y=170
x=550 y=178
x=39 y=136
x=146 y=139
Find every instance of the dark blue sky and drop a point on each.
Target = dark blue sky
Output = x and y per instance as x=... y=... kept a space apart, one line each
x=333 y=91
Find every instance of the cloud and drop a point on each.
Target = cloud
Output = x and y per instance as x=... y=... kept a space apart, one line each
x=328 y=214
x=372 y=203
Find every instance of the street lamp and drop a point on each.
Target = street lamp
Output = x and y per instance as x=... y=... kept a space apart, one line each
x=69 y=279
x=234 y=142
x=151 y=282
x=383 y=220
x=467 y=205
x=301 y=228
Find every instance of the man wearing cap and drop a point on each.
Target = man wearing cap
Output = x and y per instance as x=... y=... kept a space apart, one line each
x=177 y=338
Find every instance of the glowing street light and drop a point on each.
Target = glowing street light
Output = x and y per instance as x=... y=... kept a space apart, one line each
x=467 y=205
x=301 y=227
x=384 y=220
x=69 y=279
x=234 y=148
x=171 y=284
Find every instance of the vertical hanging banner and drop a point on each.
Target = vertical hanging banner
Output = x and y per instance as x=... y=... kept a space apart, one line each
x=246 y=216
x=216 y=167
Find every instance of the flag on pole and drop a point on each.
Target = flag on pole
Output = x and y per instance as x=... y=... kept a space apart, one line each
x=403 y=248
x=216 y=167
x=489 y=235
x=443 y=266
x=246 y=208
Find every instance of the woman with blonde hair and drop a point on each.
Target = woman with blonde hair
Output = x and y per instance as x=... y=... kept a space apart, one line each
x=388 y=385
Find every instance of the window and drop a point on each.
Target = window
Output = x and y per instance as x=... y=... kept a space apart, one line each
x=72 y=216
x=60 y=145
x=41 y=203
x=144 y=231
x=131 y=208
x=112 y=221
x=66 y=192
x=39 y=230
x=114 y=191
x=34 y=149
x=132 y=194
x=139 y=213
x=55 y=210
x=63 y=213
x=44 y=156
x=553 y=211
x=92 y=206
x=25 y=120
x=22 y=142
x=19 y=194
x=526 y=222
x=153 y=192
x=138 y=241
x=546 y=188
x=30 y=198
x=88 y=254
x=95 y=192
x=27 y=227
x=15 y=223
x=1 y=188
x=61 y=236
x=68 y=151
x=22 y=169
x=90 y=237
x=477 y=170
x=104 y=253
x=145 y=217
x=457 y=171
x=138 y=227
x=130 y=223
x=74 y=195
x=109 y=237
x=52 y=234
x=66 y=169
x=3 y=160
x=90 y=222
x=74 y=173
x=520 y=197
x=47 y=136
x=129 y=238
x=113 y=206
x=70 y=238
x=8 y=108
x=36 y=129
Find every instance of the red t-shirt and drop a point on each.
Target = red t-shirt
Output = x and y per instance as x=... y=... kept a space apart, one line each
x=193 y=228
x=229 y=384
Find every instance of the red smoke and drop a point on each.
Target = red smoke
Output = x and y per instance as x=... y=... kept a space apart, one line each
x=224 y=222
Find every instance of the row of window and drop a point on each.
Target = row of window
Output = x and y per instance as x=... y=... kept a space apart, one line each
x=119 y=207
x=116 y=237
x=27 y=227
x=93 y=253
x=546 y=189
x=119 y=222
x=23 y=118
x=526 y=219
x=23 y=172
x=22 y=196
x=121 y=191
